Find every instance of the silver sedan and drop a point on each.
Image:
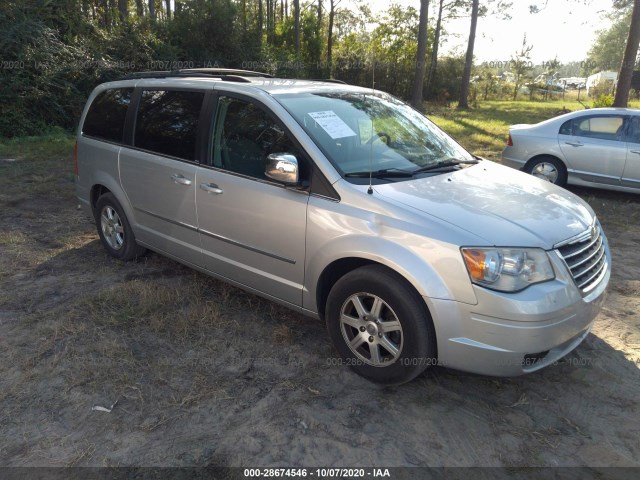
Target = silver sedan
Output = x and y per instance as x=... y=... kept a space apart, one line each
x=599 y=147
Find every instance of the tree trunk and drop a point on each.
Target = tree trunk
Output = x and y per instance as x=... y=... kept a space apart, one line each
x=433 y=66
x=332 y=12
x=168 y=7
x=123 y=10
x=103 y=19
x=112 y=10
x=139 y=8
x=463 y=102
x=319 y=32
x=629 y=59
x=260 y=20
x=418 y=77
x=296 y=6
x=274 y=20
x=152 y=9
x=269 y=8
x=244 y=16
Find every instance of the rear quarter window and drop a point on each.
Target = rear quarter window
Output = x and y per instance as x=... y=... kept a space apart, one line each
x=107 y=113
x=567 y=128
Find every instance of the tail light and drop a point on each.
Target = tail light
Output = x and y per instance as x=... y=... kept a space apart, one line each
x=510 y=141
x=75 y=156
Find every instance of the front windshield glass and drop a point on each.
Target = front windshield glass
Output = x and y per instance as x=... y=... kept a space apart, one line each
x=362 y=132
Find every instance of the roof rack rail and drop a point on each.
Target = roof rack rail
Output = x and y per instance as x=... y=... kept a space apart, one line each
x=226 y=71
x=228 y=74
x=329 y=80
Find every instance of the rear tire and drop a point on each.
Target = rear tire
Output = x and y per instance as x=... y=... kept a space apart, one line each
x=380 y=325
x=548 y=168
x=115 y=232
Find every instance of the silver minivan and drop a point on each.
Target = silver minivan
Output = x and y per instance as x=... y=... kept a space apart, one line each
x=345 y=204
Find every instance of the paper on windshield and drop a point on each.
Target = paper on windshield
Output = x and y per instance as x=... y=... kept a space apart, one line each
x=332 y=124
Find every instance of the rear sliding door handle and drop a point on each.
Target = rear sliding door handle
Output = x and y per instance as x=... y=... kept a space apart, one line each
x=181 y=179
x=635 y=151
x=211 y=188
x=575 y=144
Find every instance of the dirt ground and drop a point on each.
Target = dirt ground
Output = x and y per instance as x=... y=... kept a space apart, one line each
x=202 y=373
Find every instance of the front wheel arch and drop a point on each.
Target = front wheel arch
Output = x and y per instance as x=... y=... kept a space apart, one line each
x=414 y=328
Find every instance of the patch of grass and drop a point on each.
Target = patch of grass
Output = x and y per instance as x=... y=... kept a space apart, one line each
x=8 y=238
x=53 y=144
x=36 y=167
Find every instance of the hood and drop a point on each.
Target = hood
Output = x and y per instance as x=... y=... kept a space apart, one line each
x=502 y=206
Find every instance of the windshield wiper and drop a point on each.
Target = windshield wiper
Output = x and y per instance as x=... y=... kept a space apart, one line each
x=399 y=173
x=383 y=173
x=445 y=164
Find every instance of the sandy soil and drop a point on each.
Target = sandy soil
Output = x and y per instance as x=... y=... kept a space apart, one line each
x=205 y=374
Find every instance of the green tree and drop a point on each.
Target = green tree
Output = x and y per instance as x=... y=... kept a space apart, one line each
x=520 y=64
x=607 y=49
x=488 y=7
x=446 y=11
x=486 y=81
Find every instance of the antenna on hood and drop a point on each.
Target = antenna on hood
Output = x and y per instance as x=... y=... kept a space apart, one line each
x=373 y=87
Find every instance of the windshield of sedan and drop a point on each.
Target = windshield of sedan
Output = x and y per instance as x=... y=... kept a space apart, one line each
x=372 y=132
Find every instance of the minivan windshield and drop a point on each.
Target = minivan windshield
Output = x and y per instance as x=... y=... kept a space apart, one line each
x=373 y=132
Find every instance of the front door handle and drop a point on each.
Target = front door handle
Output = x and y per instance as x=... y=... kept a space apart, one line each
x=211 y=188
x=635 y=151
x=575 y=144
x=181 y=179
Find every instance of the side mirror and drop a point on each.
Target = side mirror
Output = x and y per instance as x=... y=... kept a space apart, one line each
x=283 y=168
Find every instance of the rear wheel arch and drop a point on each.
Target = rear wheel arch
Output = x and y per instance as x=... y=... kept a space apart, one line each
x=114 y=229
x=551 y=159
x=96 y=192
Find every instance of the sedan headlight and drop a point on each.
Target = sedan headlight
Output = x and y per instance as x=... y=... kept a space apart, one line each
x=507 y=269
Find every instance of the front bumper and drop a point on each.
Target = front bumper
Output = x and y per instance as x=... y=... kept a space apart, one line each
x=517 y=333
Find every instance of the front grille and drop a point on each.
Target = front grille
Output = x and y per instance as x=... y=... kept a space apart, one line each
x=585 y=257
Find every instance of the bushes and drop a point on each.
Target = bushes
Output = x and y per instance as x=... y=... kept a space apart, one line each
x=603 y=101
x=52 y=59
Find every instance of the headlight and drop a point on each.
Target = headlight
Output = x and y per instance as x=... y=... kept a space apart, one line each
x=507 y=269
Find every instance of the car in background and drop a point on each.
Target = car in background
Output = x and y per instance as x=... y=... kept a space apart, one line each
x=598 y=147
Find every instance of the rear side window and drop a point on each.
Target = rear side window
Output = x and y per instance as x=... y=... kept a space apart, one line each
x=106 y=116
x=634 y=130
x=609 y=127
x=167 y=122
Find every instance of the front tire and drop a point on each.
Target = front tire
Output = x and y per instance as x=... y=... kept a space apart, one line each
x=380 y=325
x=114 y=230
x=548 y=168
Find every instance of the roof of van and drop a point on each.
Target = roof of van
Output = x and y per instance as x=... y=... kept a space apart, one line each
x=239 y=78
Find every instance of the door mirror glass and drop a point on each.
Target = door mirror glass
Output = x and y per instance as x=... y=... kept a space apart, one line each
x=283 y=168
